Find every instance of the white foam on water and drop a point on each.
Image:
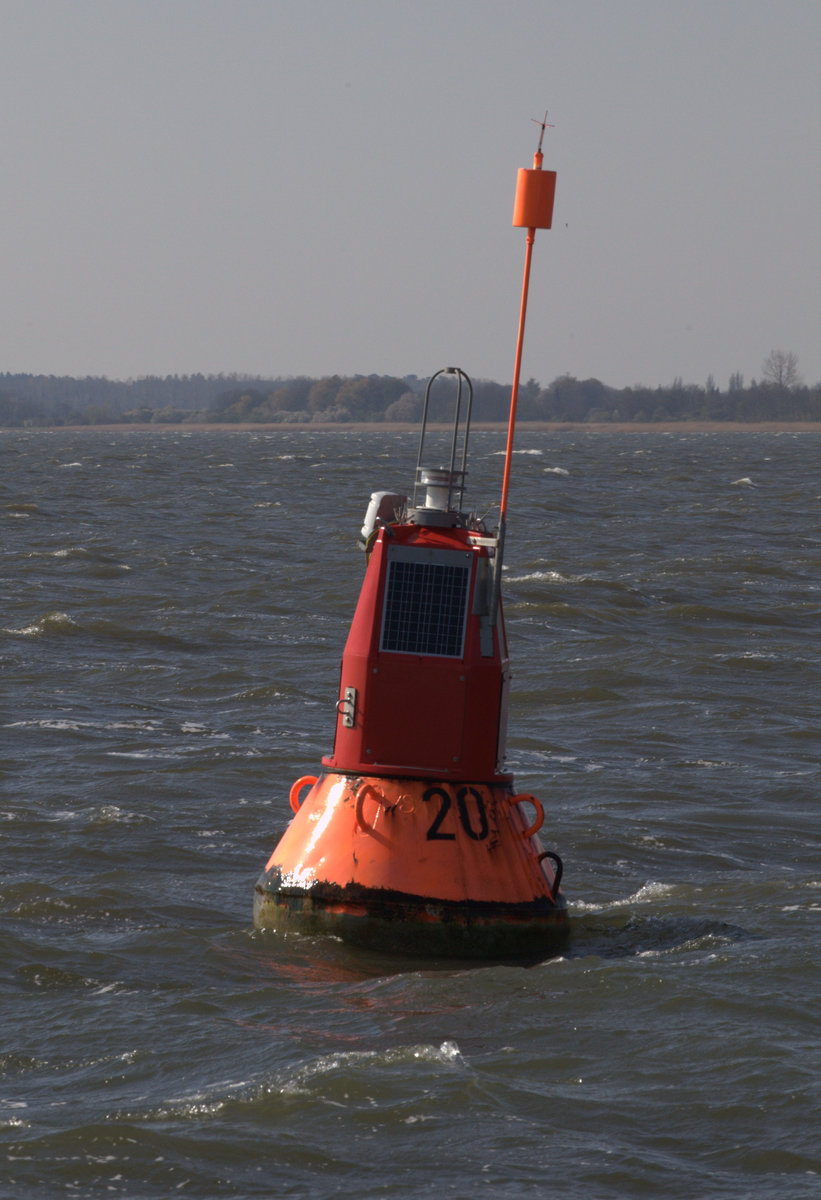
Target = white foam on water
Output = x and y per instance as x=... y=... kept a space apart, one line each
x=540 y=577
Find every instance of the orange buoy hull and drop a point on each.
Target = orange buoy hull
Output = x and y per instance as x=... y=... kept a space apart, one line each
x=409 y=865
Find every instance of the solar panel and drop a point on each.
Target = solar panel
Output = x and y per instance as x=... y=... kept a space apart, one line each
x=425 y=605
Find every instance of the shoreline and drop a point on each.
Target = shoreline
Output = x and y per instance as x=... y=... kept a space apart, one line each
x=403 y=427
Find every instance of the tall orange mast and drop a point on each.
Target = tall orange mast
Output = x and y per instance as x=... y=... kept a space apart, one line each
x=532 y=210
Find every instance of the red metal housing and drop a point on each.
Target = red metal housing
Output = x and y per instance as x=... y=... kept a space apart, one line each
x=411 y=706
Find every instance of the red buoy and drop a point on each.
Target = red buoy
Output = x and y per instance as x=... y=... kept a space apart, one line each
x=412 y=837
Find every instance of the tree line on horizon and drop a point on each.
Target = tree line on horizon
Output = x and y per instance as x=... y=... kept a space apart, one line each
x=48 y=400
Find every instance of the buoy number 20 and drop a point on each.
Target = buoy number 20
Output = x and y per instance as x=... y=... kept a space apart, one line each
x=470 y=806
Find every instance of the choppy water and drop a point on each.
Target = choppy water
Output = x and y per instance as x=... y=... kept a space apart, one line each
x=173 y=610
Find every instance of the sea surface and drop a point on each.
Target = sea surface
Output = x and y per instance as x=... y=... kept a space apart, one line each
x=173 y=607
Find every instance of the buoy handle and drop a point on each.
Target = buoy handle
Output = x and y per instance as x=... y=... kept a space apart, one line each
x=525 y=797
x=297 y=787
x=558 y=869
x=367 y=789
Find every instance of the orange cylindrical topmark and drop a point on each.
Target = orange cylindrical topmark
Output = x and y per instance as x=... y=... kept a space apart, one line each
x=535 y=190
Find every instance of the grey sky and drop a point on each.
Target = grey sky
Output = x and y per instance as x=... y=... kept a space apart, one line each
x=286 y=187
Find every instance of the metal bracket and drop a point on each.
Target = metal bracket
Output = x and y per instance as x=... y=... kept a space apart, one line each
x=346 y=707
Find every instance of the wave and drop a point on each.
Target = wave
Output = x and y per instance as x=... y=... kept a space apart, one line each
x=21 y=508
x=543 y=576
x=60 y=624
x=49 y=624
x=344 y=1079
x=99 y=566
x=626 y=928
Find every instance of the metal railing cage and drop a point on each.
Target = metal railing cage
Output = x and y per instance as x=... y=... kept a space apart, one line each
x=443 y=484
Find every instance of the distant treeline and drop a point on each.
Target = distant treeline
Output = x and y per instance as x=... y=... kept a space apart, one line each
x=40 y=400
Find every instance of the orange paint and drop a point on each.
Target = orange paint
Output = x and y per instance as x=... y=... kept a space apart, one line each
x=396 y=855
x=535 y=192
x=435 y=840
